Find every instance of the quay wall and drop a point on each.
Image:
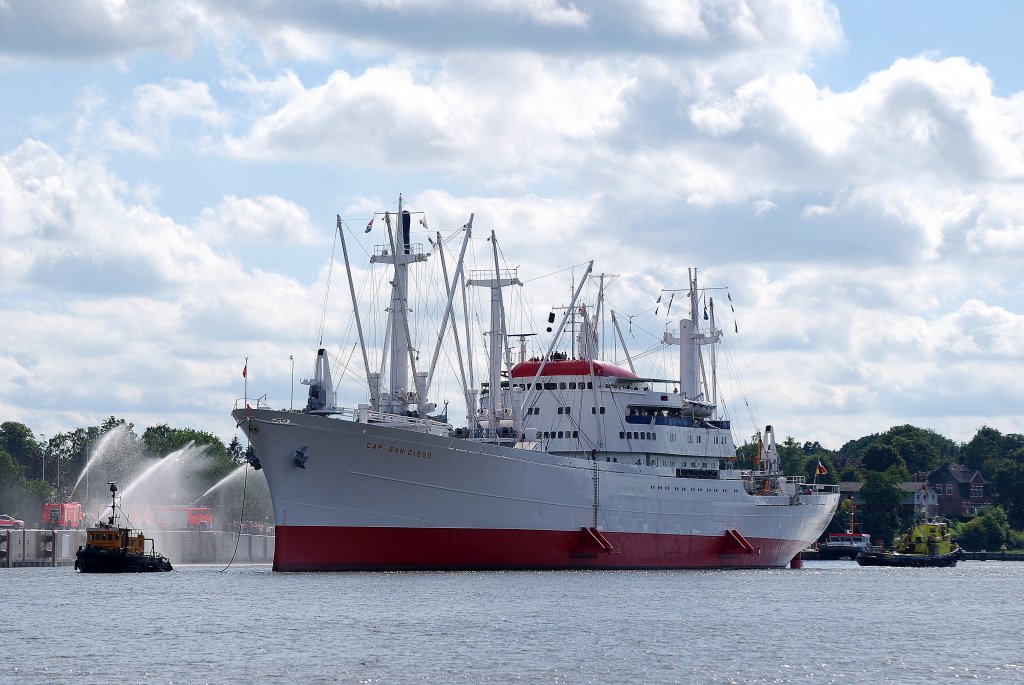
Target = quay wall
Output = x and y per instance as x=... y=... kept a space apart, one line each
x=25 y=547
x=993 y=556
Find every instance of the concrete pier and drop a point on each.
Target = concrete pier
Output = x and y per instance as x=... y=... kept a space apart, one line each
x=19 y=548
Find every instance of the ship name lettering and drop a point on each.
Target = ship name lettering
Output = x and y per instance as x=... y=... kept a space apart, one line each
x=421 y=454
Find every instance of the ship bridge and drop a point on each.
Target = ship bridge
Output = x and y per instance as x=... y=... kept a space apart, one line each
x=570 y=367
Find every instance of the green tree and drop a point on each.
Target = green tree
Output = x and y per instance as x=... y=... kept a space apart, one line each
x=881 y=457
x=850 y=474
x=236 y=450
x=989 y=530
x=919 y=455
x=840 y=522
x=12 y=474
x=810 y=470
x=883 y=501
x=162 y=440
x=113 y=422
x=792 y=459
x=921 y=449
x=18 y=441
x=158 y=439
x=747 y=452
x=986 y=444
x=22 y=497
x=1008 y=488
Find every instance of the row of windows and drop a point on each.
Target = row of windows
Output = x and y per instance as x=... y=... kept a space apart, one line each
x=669 y=487
x=637 y=435
x=976 y=490
x=571 y=385
x=559 y=434
x=535 y=411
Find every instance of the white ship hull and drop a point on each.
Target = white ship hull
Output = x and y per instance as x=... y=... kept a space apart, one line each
x=372 y=496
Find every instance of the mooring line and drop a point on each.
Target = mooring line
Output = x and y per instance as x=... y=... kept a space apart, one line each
x=241 y=517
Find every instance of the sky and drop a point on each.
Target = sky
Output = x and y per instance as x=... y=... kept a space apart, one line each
x=850 y=172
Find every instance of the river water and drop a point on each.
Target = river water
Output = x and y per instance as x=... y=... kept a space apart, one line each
x=831 y=622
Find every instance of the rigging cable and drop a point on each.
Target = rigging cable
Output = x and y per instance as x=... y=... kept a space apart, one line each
x=327 y=290
x=241 y=513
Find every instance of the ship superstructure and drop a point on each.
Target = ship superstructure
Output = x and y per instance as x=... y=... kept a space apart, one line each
x=564 y=460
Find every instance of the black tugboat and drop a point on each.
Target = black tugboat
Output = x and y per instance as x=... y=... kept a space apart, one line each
x=112 y=549
x=845 y=545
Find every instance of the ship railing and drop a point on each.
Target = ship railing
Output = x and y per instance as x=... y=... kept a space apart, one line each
x=363 y=414
x=252 y=403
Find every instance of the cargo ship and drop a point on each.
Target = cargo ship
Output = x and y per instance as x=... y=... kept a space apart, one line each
x=565 y=460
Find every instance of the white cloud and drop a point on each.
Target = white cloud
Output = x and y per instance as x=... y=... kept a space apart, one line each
x=267 y=218
x=112 y=305
x=155 y=110
x=389 y=115
x=96 y=29
x=870 y=233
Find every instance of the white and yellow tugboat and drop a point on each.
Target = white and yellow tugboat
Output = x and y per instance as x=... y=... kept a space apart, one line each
x=927 y=543
x=110 y=548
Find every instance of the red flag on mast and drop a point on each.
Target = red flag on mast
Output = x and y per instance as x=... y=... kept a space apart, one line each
x=245 y=370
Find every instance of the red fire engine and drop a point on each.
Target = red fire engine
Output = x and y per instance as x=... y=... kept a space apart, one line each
x=182 y=517
x=63 y=515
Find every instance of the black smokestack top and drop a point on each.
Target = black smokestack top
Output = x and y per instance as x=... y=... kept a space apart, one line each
x=406 y=225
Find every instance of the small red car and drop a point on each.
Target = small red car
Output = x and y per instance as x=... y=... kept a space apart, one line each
x=10 y=522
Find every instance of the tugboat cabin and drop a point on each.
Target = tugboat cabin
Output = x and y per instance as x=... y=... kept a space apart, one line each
x=116 y=539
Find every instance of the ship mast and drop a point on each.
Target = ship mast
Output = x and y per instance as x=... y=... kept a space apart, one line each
x=693 y=379
x=496 y=335
x=452 y=288
x=370 y=378
x=402 y=356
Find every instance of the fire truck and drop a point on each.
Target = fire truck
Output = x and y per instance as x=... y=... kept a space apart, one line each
x=63 y=515
x=182 y=517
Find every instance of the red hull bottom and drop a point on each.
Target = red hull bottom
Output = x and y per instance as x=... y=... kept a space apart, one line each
x=321 y=548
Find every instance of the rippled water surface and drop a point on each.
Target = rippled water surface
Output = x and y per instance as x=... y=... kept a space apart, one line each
x=831 y=622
